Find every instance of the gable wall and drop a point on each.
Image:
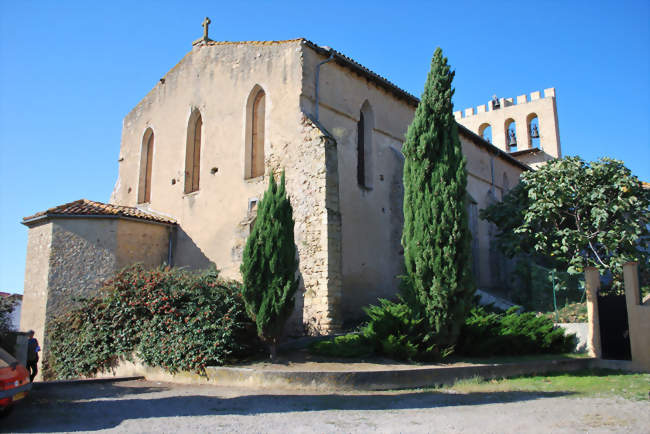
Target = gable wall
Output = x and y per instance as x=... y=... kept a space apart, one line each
x=218 y=80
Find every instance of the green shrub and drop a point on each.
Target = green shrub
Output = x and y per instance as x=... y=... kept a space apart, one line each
x=393 y=330
x=171 y=318
x=350 y=345
x=511 y=333
x=269 y=265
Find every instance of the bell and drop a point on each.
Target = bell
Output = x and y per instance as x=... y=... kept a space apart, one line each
x=534 y=133
x=512 y=139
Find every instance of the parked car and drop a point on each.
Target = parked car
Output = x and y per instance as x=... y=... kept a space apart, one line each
x=14 y=381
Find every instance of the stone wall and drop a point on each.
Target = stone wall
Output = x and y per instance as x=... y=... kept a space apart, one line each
x=37 y=268
x=312 y=187
x=69 y=258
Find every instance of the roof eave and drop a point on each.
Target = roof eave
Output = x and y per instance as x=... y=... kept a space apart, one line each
x=32 y=221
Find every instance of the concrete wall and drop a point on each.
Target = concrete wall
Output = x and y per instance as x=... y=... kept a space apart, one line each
x=545 y=109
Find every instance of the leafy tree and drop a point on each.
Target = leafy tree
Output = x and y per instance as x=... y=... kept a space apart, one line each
x=269 y=265
x=7 y=306
x=577 y=213
x=436 y=236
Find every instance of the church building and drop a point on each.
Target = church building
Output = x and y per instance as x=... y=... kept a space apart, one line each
x=195 y=158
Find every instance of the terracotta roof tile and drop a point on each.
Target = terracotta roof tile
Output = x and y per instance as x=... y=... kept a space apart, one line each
x=85 y=207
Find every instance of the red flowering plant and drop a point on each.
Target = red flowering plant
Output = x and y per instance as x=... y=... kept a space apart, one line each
x=171 y=318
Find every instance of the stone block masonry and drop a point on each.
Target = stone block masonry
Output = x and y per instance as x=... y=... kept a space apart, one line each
x=312 y=185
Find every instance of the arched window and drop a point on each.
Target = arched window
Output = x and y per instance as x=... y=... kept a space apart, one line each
x=255 y=129
x=146 y=163
x=193 y=152
x=364 y=146
x=511 y=135
x=485 y=131
x=532 y=122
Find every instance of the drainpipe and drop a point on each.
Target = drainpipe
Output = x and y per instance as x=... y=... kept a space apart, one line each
x=170 y=246
x=329 y=59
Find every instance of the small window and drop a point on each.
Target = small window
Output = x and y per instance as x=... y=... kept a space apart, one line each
x=255 y=126
x=193 y=152
x=146 y=163
x=365 y=126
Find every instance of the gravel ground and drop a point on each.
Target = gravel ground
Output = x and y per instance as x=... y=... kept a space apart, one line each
x=142 y=406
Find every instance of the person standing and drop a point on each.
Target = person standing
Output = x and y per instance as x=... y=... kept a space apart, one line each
x=32 y=356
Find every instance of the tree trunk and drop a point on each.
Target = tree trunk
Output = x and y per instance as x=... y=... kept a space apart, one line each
x=273 y=350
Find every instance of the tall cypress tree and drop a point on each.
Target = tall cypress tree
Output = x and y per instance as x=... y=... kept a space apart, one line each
x=436 y=238
x=269 y=265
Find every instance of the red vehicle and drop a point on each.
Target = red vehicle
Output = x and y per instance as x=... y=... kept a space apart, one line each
x=14 y=381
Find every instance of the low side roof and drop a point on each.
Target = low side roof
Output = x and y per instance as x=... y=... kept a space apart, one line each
x=89 y=208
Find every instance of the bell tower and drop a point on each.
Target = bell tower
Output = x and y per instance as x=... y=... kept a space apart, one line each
x=527 y=129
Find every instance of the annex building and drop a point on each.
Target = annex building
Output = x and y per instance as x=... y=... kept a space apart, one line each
x=195 y=158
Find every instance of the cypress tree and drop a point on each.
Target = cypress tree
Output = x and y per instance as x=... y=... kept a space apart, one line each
x=436 y=238
x=269 y=265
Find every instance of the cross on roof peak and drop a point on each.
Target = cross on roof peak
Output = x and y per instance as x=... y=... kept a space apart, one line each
x=205 y=24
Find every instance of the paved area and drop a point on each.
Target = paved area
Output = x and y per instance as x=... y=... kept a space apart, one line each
x=142 y=406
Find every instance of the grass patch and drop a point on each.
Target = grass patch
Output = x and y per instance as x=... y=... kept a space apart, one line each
x=595 y=382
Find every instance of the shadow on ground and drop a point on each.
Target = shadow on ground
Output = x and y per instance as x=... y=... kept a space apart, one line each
x=89 y=408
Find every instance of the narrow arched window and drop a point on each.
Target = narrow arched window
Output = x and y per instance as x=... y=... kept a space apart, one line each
x=255 y=125
x=146 y=163
x=364 y=146
x=193 y=152
x=511 y=135
x=485 y=131
x=532 y=122
x=361 y=154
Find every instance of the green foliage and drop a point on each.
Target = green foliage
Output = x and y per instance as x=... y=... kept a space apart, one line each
x=269 y=264
x=399 y=332
x=393 y=330
x=7 y=306
x=511 y=333
x=436 y=235
x=170 y=318
x=579 y=214
x=350 y=345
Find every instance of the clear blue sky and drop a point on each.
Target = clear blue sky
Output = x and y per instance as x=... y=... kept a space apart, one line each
x=70 y=71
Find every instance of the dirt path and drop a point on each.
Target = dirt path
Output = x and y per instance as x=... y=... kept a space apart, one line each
x=141 y=406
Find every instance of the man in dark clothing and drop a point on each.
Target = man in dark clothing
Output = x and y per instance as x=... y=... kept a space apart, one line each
x=32 y=356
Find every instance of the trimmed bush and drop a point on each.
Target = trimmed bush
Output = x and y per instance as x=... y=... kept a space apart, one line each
x=171 y=318
x=393 y=330
x=511 y=334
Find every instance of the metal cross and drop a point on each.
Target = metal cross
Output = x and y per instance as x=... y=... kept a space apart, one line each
x=205 y=24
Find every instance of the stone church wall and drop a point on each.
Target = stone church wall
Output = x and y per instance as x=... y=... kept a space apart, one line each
x=371 y=217
x=214 y=222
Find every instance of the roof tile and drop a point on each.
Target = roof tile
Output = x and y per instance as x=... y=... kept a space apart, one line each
x=85 y=207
